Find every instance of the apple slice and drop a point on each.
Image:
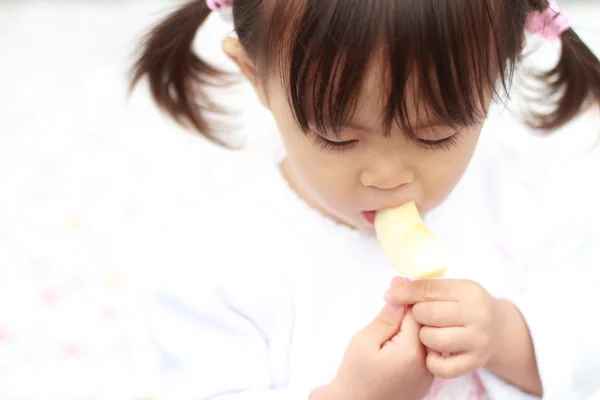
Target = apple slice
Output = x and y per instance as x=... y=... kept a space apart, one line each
x=410 y=246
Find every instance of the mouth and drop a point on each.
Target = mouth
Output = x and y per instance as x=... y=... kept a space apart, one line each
x=369 y=217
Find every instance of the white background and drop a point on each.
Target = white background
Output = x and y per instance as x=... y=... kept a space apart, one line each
x=89 y=178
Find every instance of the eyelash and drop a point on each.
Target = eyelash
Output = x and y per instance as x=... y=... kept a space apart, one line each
x=338 y=147
x=334 y=147
x=443 y=144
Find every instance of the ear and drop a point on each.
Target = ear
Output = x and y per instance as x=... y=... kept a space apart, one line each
x=236 y=52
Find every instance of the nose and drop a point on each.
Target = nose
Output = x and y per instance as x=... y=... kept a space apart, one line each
x=386 y=175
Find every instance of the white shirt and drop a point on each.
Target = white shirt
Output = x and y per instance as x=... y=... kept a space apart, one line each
x=260 y=294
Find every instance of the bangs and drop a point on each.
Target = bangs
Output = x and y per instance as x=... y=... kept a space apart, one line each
x=442 y=58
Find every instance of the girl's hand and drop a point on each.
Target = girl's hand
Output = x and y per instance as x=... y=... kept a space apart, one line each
x=460 y=322
x=384 y=361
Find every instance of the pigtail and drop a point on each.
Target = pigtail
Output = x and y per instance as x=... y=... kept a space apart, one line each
x=577 y=77
x=178 y=79
x=575 y=81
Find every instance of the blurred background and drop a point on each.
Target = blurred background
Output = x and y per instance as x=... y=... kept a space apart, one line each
x=90 y=175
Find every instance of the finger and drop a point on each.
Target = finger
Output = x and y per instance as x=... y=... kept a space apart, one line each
x=440 y=314
x=409 y=330
x=426 y=290
x=449 y=367
x=446 y=340
x=383 y=328
x=406 y=345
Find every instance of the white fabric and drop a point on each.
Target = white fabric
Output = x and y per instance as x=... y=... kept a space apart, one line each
x=266 y=307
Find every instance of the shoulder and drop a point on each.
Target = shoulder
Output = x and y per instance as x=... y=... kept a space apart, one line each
x=544 y=196
x=219 y=243
x=527 y=199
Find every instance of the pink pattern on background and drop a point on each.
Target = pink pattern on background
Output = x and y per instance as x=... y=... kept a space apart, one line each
x=108 y=313
x=129 y=213
x=3 y=336
x=72 y=350
x=50 y=297
x=504 y=252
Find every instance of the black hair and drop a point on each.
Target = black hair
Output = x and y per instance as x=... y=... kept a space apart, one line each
x=449 y=54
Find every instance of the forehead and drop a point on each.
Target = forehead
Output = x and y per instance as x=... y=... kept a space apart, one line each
x=373 y=99
x=374 y=96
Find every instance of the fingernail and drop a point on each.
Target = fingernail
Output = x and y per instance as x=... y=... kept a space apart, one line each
x=388 y=296
x=397 y=281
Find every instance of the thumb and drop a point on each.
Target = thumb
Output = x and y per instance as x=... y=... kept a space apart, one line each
x=409 y=330
x=384 y=327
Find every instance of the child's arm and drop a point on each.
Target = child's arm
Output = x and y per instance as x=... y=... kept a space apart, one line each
x=222 y=344
x=549 y=342
x=211 y=346
x=220 y=322
x=514 y=359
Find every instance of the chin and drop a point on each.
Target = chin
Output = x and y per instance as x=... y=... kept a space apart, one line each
x=367 y=229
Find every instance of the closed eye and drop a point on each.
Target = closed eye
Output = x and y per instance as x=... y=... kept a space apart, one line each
x=333 y=145
x=445 y=143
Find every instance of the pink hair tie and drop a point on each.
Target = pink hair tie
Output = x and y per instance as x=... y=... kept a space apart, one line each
x=217 y=5
x=551 y=23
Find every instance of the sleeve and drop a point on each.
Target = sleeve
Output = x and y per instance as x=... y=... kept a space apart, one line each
x=221 y=328
x=559 y=303
x=213 y=350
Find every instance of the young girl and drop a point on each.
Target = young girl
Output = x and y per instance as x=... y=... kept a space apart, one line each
x=377 y=103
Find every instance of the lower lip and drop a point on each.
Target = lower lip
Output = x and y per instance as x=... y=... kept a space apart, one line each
x=370 y=216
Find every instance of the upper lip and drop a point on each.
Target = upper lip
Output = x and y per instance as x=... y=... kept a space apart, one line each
x=394 y=205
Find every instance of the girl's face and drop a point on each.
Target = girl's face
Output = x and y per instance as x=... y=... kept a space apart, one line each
x=351 y=176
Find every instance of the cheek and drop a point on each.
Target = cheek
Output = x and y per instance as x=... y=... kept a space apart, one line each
x=441 y=175
x=328 y=177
